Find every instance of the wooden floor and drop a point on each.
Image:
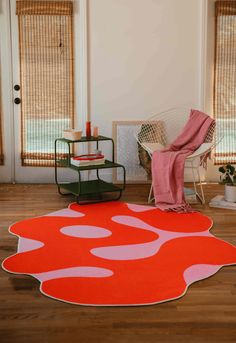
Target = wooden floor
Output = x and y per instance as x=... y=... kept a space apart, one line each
x=207 y=313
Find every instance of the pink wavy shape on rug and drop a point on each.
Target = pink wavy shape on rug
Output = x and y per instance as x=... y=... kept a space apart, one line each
x=85 y=231
x=140 y=224
x=128 y=252
x=73 y=272
x=66 y=212
x=199 y=271
x=26 y=244
x=139 y=208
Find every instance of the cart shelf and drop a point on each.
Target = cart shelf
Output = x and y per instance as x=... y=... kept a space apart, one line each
x=107 y=164
x=90 y=187
x=95 y=188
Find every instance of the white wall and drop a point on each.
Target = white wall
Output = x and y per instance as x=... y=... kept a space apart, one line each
x=145 y=56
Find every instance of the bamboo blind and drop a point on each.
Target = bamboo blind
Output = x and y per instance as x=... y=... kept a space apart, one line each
x=46 y=73
x=1 y=133
x=225 y=81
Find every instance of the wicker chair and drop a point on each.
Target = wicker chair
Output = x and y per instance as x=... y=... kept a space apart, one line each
x=161 y=130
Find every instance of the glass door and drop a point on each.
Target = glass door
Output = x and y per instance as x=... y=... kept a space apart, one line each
x=43 y=83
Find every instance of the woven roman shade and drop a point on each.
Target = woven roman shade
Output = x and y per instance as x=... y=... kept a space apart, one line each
x=44 y=7
x=225 y=81
x=1 y=133
x=46 y=77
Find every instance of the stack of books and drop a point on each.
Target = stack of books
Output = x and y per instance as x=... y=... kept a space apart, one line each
x=220 y=202
x=87 y=160
x=190 y=196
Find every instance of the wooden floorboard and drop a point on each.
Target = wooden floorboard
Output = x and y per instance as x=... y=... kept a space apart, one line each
x=207 y=313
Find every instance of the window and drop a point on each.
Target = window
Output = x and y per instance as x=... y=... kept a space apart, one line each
x=225 y=81
x=46 y=76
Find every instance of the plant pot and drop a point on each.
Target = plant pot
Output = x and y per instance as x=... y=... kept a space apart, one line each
x=230 y=193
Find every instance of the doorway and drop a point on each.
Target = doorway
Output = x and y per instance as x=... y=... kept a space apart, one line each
x=43 y=77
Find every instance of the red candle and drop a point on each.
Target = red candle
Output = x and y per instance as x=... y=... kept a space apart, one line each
x=88 y=129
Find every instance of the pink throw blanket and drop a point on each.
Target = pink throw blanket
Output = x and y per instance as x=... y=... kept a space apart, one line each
x=168 y=164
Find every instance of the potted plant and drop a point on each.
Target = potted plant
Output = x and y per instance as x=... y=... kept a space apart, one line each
x=228 y=178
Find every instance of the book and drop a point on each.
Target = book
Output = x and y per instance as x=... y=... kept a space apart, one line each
x=88 y=160
x=190 y=196
x=219 y=202
x=88 y=157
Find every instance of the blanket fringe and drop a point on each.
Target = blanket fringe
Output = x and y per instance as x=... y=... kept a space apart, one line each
x=182 y=208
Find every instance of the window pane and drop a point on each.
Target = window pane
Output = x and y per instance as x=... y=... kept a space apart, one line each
x=47 y=90
x=225 y=82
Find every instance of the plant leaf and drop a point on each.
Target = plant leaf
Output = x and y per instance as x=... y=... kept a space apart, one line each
x=222 y=169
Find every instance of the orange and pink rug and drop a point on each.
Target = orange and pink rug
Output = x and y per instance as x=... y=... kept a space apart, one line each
x=117 y=254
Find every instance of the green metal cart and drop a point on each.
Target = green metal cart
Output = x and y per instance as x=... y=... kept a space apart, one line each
x=91 y=189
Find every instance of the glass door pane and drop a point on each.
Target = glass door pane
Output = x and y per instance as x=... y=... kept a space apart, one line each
x=46 y=77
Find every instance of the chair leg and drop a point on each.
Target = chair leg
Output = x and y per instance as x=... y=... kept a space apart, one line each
x=202 y=196
x=201 y=188
x=150 y=196
x=194 y=179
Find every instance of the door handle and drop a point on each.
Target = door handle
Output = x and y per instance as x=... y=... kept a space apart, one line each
x=16 y=87
x=17 y=101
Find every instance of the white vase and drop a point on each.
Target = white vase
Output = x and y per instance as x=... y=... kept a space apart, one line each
x=230 y=193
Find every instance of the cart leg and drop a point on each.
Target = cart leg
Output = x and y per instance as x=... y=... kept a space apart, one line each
x=60 y=192
x=87 y=202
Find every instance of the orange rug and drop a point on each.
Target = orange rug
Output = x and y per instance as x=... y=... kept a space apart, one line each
x=117 y=254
